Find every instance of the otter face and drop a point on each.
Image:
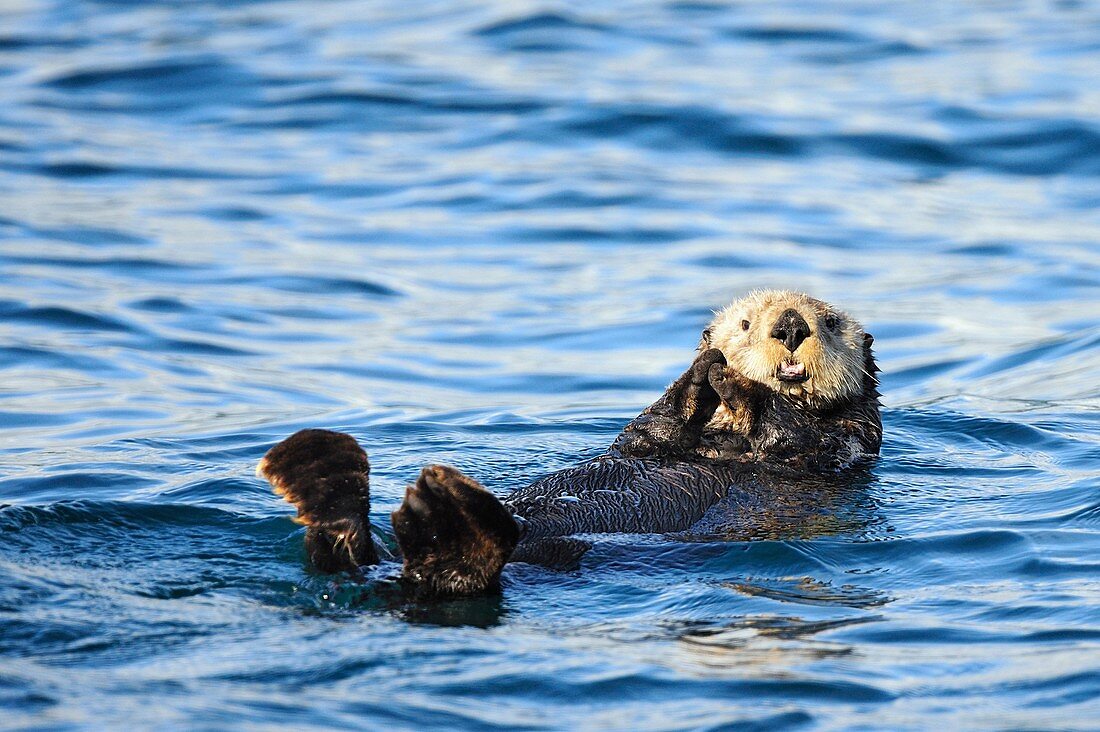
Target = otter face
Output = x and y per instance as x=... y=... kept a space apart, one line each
x=792 y=343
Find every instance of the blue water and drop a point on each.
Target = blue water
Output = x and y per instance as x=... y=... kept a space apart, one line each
x=488 y=234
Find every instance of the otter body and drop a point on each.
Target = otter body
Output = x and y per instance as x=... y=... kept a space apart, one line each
x=783 y=387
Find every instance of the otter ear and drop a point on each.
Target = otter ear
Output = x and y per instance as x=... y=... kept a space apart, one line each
x=868 y=339
x=706 y=337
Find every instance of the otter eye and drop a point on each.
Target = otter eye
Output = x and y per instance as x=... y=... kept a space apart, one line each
x=831 y=321
x=744 y=325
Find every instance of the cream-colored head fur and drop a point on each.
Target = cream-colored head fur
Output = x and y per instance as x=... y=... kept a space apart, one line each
x=830 y=359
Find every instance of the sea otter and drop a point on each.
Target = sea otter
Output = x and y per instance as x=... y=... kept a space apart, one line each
x=783 y=389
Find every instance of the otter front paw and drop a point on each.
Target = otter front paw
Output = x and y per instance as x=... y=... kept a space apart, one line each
x=698 y=399
x=455 y=535
x=743 y=397
x=728 y=383
x=672 y=425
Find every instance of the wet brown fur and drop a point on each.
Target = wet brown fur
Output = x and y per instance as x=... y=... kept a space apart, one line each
x=724 y=425
x=326 y=476
x=828 y=421
x=455 y=535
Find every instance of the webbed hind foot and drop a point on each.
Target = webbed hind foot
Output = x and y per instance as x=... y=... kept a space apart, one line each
x=455 y=535
x=326 y=476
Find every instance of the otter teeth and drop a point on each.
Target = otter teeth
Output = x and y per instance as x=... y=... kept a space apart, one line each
x=792 y=371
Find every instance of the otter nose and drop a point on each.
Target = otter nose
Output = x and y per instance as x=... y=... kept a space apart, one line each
x=791 y=328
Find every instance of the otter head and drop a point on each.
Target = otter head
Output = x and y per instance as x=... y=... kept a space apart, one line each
x=793 y=344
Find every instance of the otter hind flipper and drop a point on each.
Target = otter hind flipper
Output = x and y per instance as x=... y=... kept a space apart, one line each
x=325 y=475
x=454 y=534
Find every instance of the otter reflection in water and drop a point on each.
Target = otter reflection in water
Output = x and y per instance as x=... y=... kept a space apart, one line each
x=783 y=386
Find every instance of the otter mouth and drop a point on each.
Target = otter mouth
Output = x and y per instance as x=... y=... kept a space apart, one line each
x=791 y=371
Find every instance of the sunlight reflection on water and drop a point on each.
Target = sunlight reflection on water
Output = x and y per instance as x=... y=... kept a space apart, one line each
x=488 y=235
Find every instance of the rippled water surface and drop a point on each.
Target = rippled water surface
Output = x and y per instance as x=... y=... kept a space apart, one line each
x=488 y=234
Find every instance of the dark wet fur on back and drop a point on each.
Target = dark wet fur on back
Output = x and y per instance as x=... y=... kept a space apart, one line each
x=620 y=495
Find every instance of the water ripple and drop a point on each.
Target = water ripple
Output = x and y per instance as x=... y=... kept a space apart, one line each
x=488 y=234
